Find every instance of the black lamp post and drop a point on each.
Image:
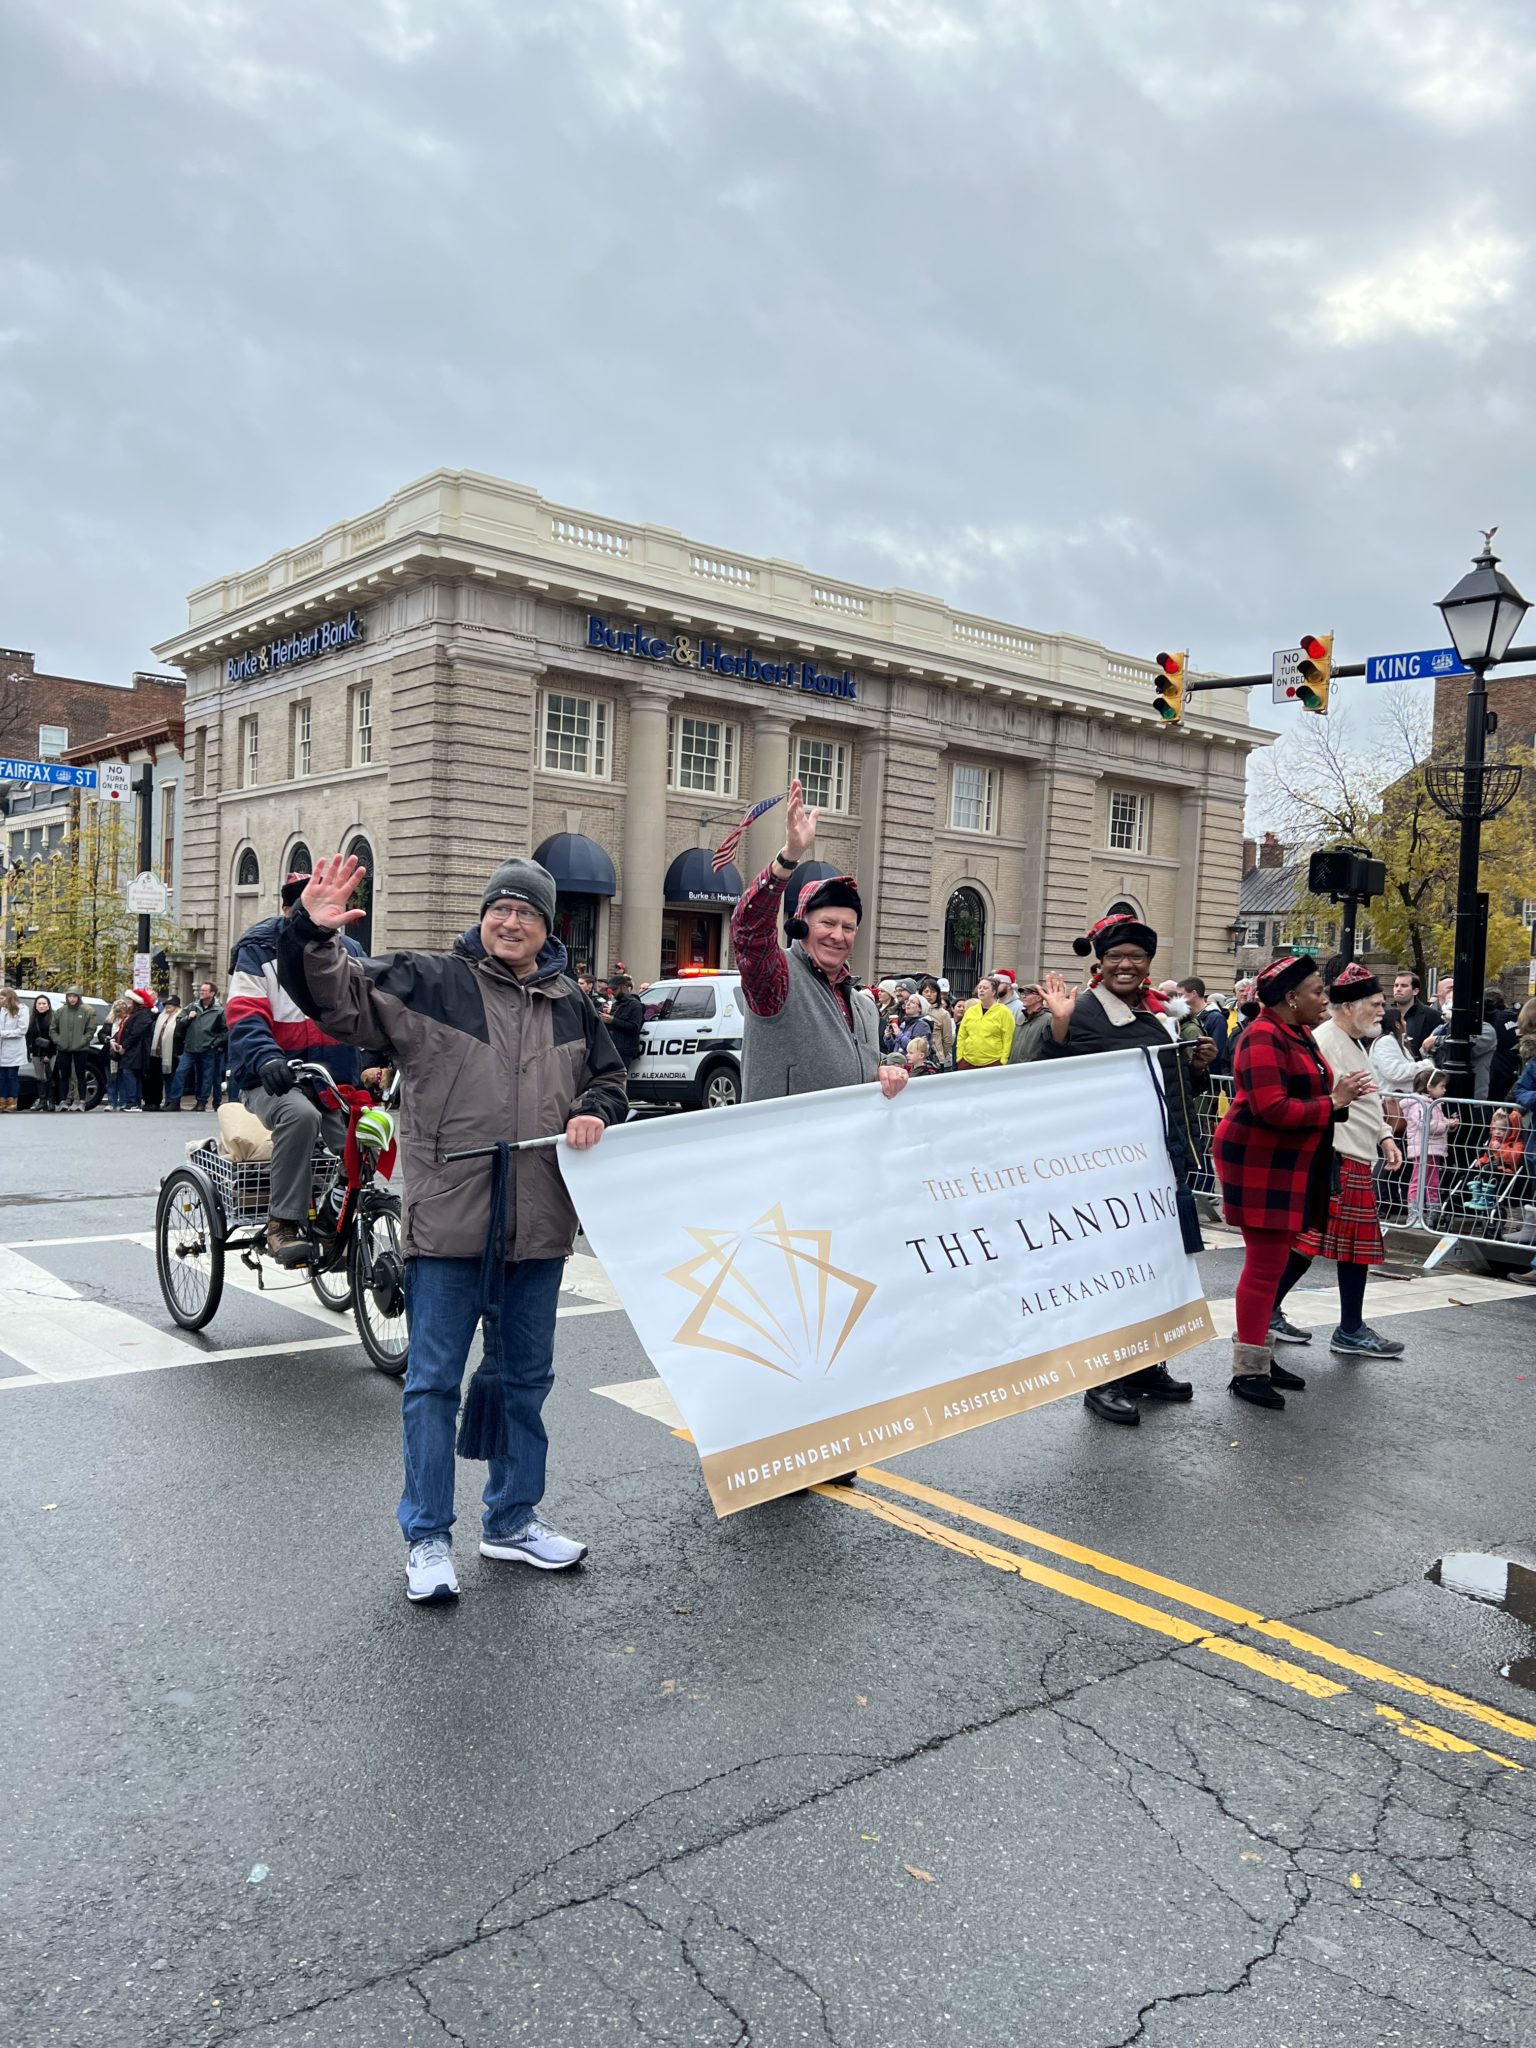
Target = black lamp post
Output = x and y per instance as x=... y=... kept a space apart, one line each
x=1482 y=614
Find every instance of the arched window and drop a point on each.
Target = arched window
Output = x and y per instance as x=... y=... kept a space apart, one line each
x=362 y=895
x=1123 y=906
x=965 y=941
x=248 y=870
x=300 y=860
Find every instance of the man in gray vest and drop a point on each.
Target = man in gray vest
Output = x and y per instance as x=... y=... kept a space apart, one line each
x=808 y=1026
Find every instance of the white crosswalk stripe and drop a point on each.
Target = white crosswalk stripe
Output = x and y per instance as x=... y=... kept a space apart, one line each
x=60 y=1335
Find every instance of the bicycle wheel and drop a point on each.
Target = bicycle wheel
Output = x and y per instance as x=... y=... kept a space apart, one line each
x=189 y=1247
x=333 y=1284
x=378 y=1285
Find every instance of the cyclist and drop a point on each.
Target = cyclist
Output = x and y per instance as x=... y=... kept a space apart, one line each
x=267 y=1029
x=495 y=1042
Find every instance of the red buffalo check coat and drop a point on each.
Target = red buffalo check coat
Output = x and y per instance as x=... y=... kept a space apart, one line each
x=1273 y=1149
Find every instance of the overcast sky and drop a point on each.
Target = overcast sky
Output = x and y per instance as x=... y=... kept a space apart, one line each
x=1169 y=322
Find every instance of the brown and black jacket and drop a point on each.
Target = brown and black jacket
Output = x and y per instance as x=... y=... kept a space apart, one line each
x=484 y=1057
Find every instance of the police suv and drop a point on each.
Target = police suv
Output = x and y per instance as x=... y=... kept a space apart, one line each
x=690 y=1048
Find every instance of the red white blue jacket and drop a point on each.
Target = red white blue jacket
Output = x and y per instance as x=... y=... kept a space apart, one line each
x=266 y=1023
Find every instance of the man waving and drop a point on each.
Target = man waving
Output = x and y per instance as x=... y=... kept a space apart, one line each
x=496 y=1043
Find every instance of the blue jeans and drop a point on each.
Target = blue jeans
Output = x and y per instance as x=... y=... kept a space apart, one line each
x=197 y=1073
x=443 y=1297
x=122 y=1089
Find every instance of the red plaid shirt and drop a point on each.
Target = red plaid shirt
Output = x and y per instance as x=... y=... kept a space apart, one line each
x=760 y=957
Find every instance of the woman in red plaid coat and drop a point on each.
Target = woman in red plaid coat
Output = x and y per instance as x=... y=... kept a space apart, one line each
x=1273 y=1153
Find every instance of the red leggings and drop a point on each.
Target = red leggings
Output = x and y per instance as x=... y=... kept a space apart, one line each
x=1265 y=1253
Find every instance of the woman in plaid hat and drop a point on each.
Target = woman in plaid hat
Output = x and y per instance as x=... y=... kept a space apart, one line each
x=1352 y=1235
x=1273 y=1151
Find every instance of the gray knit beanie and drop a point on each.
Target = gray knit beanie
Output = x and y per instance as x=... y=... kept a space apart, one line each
x=523 y=881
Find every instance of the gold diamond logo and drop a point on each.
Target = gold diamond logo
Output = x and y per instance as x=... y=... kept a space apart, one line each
x=771 y=1295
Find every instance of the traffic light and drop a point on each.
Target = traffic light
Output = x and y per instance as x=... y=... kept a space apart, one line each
x=1314 y=671
x=1169 y=701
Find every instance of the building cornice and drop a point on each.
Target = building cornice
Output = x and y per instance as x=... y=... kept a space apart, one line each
x=460 y=523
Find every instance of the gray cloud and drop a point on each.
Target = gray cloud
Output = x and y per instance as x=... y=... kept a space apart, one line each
x=1155 y=320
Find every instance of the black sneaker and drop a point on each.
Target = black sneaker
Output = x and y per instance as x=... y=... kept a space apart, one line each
x=1283 y=1332
x=1365 y=1343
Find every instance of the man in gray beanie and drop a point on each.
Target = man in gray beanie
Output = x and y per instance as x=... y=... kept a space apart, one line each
x=496 y=1045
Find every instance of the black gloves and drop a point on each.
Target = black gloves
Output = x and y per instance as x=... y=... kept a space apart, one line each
x=275 y=1076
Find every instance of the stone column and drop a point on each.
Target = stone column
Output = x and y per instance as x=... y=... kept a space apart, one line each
x=645 y=832
x=770 y=774
x=1066 y=841
x=872 y=755
x=1186 y=901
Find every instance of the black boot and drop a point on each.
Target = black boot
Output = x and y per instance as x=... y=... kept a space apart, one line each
x=1282 y=1376
x=1250 y=1381
x=1157 y=1383
x=1113 y=1402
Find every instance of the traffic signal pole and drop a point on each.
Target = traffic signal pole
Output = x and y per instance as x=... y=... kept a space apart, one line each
x=146 y=791
x=1340 y=668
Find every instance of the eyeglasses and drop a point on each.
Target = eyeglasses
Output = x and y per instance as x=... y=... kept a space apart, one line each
x=513 y=913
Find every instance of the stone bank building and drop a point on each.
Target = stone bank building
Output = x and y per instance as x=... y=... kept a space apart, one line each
x=469 y=672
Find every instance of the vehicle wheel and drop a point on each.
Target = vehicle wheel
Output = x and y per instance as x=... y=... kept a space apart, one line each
x=189 y=1248
x=377 y=1265
x=722 y=1088
x=95 y=1092
x=333 y=1284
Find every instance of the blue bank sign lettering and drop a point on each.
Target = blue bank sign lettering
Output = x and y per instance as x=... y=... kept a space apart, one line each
x=1413 y=668
x=51 y=772
x=289 y=648
x=714 y=659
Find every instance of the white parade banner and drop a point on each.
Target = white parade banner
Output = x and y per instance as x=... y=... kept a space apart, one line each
x=831 y=1279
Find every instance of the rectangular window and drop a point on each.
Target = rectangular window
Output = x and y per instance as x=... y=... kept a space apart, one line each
x=250 y=752
x=1528 y=911
x=1127 y=821
x=362 y=725
x=972 y=798
x=701 y=756
x=822 y=767
x=56 y=837
x=199 y=758
x=18 y=845
x=51 y=741
x=167 y=831
x=575 y=736
x=303 y=741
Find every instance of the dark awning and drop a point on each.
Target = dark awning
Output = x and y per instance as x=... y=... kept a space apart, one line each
x=579 y=865
x=692 y=879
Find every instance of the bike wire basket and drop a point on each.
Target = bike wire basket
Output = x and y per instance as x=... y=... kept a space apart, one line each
x=244 y=1186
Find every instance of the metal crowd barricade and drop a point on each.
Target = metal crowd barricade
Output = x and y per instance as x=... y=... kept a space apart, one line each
x=1468 y=1174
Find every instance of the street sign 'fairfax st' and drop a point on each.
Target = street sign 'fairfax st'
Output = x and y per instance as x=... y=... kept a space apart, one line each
x=1429 y=662
x=53 y=772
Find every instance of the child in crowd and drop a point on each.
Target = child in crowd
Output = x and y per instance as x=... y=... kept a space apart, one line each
x=1426 y=1107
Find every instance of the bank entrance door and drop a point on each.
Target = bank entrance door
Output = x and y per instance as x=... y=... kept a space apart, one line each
x=690 y=938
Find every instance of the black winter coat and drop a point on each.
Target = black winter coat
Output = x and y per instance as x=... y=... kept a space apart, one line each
x=1093 y=1029
x=625 y=1023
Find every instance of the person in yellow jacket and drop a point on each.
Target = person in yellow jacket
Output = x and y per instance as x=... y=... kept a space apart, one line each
x=985 y=1037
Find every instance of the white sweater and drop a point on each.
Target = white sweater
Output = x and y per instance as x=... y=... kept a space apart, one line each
x=1393 y=1067
x=1360 y=1136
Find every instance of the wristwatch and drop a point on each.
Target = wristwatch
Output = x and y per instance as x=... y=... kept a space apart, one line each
x=785 y=862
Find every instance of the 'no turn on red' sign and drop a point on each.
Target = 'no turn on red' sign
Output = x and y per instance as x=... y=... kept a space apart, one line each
x=114 y=781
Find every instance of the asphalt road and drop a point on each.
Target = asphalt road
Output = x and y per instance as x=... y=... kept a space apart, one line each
x=946 y=1759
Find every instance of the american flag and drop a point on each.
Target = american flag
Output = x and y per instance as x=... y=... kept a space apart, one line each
x=725 y=852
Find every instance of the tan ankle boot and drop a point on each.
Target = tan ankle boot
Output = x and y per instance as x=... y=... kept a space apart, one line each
x=1250 y=1379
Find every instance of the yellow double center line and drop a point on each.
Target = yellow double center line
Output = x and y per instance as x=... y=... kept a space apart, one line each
x=1232 y=1648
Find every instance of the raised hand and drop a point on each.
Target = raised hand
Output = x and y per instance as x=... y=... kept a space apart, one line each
x=330 y=889
x=799 y=824
x=1059 y=998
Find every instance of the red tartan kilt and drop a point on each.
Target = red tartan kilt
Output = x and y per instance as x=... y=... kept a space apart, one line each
x=1353 y=1236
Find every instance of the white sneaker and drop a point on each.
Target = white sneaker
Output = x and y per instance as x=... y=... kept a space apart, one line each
x=429 y=1573
x=545 y=1549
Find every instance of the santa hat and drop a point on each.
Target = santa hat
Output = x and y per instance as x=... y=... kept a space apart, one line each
x=1120 y=930
x=145 y=996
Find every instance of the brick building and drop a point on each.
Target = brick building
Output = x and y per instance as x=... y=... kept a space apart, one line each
x=469 y=671
x=43 y=716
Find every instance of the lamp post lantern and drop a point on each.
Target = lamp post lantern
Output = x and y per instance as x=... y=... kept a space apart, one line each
x=1482 y=613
